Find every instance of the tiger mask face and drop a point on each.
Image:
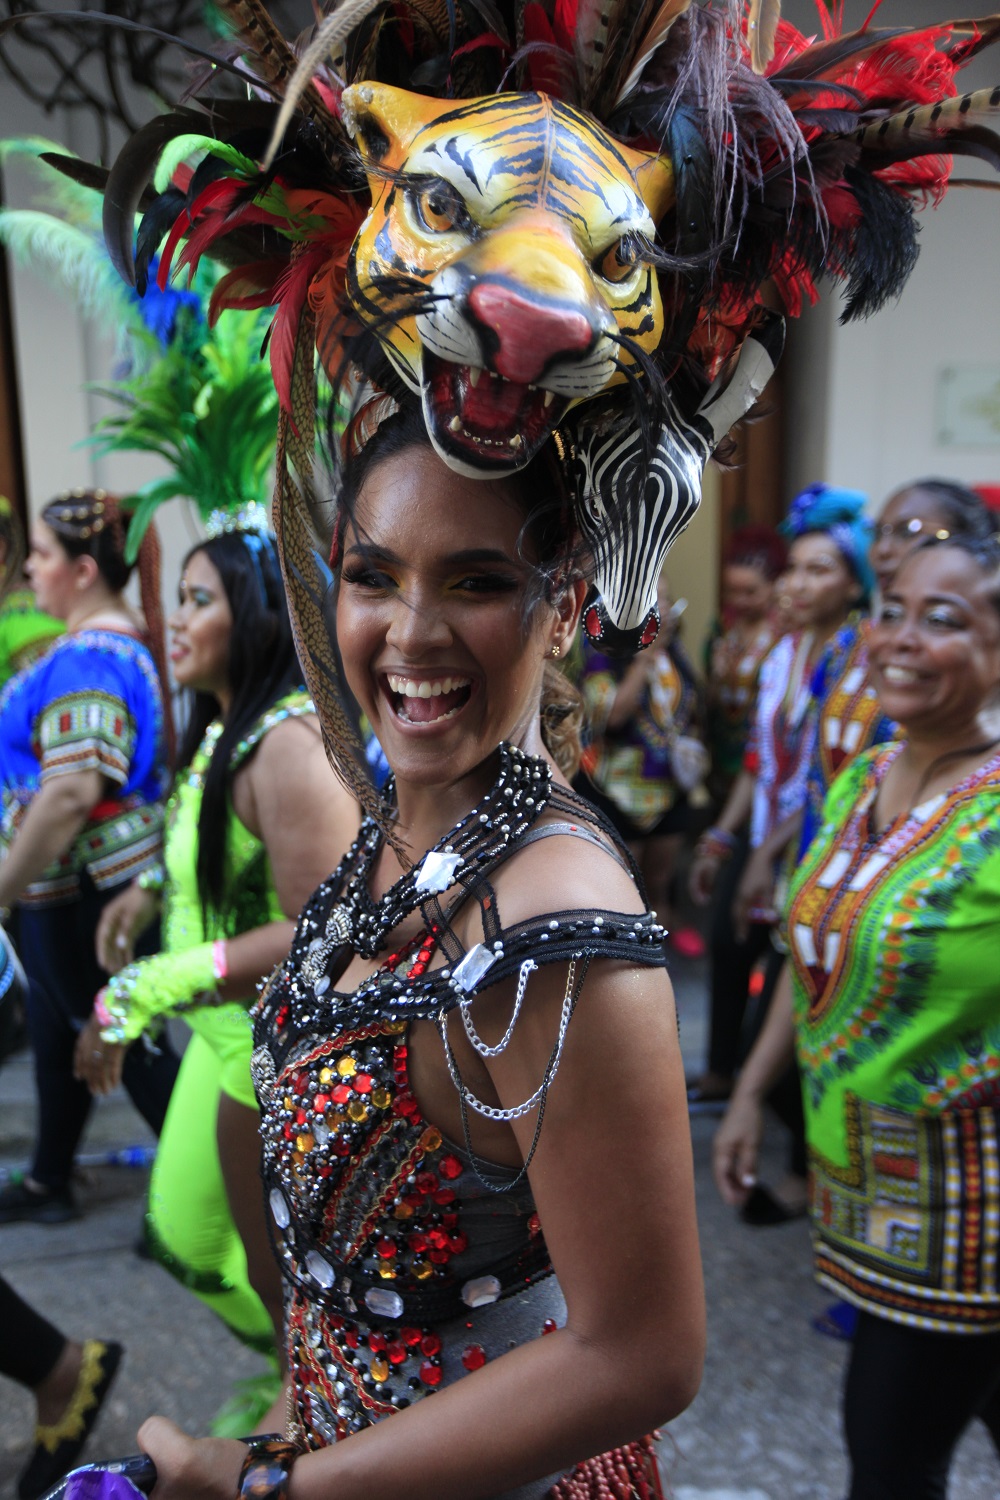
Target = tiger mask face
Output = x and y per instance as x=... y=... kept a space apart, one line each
x=503 y=261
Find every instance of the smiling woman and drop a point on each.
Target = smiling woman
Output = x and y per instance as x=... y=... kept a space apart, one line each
x=472 y=1031
x=891 y=928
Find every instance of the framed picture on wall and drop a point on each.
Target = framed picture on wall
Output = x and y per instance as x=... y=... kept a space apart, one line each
x=968 y=406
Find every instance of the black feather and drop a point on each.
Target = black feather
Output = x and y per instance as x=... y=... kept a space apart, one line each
x=156 y=224
x=883 y=248
x=129 y=178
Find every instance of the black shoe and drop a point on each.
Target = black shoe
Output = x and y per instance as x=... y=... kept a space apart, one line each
x=50 y=1206
x=764 y=1210
x=58 y=1447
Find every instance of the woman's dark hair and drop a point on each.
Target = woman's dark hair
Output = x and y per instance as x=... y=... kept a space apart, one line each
x=540 y=490
x=757 y=547
x=262 y=668
x=964 y=510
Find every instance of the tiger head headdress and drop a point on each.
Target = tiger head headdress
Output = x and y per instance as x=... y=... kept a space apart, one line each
x=577 y=221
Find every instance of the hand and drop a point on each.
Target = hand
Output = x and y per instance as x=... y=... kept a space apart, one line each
x=755 y=891
x=702 y=877
x=736 y=1149
x=96 y=1063
x=191 y=1468
x=121 y=922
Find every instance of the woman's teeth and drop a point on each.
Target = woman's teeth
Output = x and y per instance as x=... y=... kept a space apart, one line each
x=407 y=688
x=899 y=676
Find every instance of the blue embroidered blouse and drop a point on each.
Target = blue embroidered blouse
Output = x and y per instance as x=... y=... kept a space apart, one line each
x=93 y=703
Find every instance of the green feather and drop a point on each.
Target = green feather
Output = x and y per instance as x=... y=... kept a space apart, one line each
x=58 y=194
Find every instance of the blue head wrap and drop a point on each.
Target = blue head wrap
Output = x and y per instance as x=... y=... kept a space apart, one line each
x=840 y=514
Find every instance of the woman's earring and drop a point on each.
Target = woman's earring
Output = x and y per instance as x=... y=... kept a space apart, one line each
x=556 y=651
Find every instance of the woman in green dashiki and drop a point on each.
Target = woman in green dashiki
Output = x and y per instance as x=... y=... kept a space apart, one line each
x=256 y=817
x=26 y=632
x=891 y=1001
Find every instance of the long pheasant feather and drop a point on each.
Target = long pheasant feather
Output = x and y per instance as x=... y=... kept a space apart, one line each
x=965 y=126
x=329 y=38
x=669 y=12
x=762 y=29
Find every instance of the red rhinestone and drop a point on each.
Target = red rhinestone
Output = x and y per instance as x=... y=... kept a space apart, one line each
x=411 y=1336
x=376 y=1342
x=450 y=1167
x=458 y=1243
x=417 y=1242
x=439 y=1257
x=439 y=1238
x=473 y=1356
x=341 y=1147
x=430 y=1373
x=426 y=1182
x=321 y=1103
x=534 y=1225
x=413 y=1200
x=325 y=1172
x=402 y=1050
x=288 y=1132
x=351 y=1338
x=363 y=1083
x=341 y=1093
x=550 y=1325
x=386 y=1249
x=301 y=1083
x=450 y=1221
x=396 y=1352
x=430 y=1345
x=444 y=1196
x=300 y=1117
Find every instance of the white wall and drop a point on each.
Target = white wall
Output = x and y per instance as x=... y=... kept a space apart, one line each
x=863 y=397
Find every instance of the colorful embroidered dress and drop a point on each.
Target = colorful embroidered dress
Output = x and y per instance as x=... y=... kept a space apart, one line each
x=781 y=741
x=91 y=704
x=406 y=1271
x=893 y=942
x=849 y=718
x=633 y=765
x=734 y=660
x=25 y=633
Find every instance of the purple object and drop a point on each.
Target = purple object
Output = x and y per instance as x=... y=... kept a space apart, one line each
x=100 y=1484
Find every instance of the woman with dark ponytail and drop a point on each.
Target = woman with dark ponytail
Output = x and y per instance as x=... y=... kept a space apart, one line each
x=83 y=752
x=255 y=820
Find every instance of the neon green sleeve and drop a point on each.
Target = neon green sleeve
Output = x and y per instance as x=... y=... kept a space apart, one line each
x=157 y=986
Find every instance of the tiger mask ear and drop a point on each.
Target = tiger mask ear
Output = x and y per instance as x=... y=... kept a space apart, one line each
x=384 y=122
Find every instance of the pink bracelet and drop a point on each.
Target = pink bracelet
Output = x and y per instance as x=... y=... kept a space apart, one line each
x=103 y=1015
x=220 y=960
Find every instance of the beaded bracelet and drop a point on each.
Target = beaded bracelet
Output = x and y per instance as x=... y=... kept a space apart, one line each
x=716 y=843
x=220 y=960
x=102 y=1015
x=267 y=1467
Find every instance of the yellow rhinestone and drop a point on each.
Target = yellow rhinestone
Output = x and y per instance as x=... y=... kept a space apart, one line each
x=357 y=1111
x=387 y=1271
x=326 y=1075
x=289 y=1101
x=431 y=1140
x=306 y=1141
x=402 y=1211
x=395 y=1027
x=347 y=1067
x=422 y=1269
x=381 y=1098
x=334 y=1117
x=379 y=1368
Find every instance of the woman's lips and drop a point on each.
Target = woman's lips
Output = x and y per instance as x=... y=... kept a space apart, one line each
x=429 y=700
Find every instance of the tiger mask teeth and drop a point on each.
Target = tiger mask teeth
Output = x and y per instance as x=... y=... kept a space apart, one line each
x=481 y=423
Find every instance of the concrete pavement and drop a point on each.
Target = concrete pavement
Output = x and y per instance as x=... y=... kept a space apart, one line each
x=765 y=1425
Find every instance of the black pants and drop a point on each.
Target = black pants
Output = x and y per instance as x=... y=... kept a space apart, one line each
x=57 y=950
x=29 y=1345
x=909 y=1396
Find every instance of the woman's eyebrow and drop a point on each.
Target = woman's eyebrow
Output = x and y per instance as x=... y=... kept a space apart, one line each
x=479 y=555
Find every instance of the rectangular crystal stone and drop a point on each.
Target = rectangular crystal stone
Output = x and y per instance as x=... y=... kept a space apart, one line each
x=437 y=872
x=473 y=966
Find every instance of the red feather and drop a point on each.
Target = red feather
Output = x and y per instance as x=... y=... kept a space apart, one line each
x=543 y=70
x=180 y=225
x=291 y=290
x=246 y=287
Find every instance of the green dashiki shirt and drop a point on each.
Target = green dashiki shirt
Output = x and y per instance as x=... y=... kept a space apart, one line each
x=895 y=940
x=25 y=633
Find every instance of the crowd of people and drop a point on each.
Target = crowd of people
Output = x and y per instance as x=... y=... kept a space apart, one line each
x=831 y=789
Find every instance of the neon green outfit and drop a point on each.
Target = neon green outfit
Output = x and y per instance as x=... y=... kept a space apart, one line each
x=25 y=633
x=189 y=1223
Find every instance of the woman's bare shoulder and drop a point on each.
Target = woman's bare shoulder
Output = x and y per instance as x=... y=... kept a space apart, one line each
x=564 y=872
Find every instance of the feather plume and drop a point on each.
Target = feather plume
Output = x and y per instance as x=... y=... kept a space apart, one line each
x=651 y=43
x=329 y=38
x=964 y=126
x=62 y=194
x=762 y=28
x=74 y=259
x=129 y=178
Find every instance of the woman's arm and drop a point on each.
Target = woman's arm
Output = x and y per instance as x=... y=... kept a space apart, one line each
x=737 y=1141
x=708 y=855
x=56 y=814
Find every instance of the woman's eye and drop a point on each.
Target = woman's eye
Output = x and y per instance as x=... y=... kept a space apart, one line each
x=487 y=583
x=890 y=613
x=366 y=578
x=939 y=620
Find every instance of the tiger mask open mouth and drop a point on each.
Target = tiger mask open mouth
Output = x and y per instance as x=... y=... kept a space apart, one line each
x=501 y=283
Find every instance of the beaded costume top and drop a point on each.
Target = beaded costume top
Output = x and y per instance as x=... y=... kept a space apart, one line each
x=892 y=942
x=391 y=1238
